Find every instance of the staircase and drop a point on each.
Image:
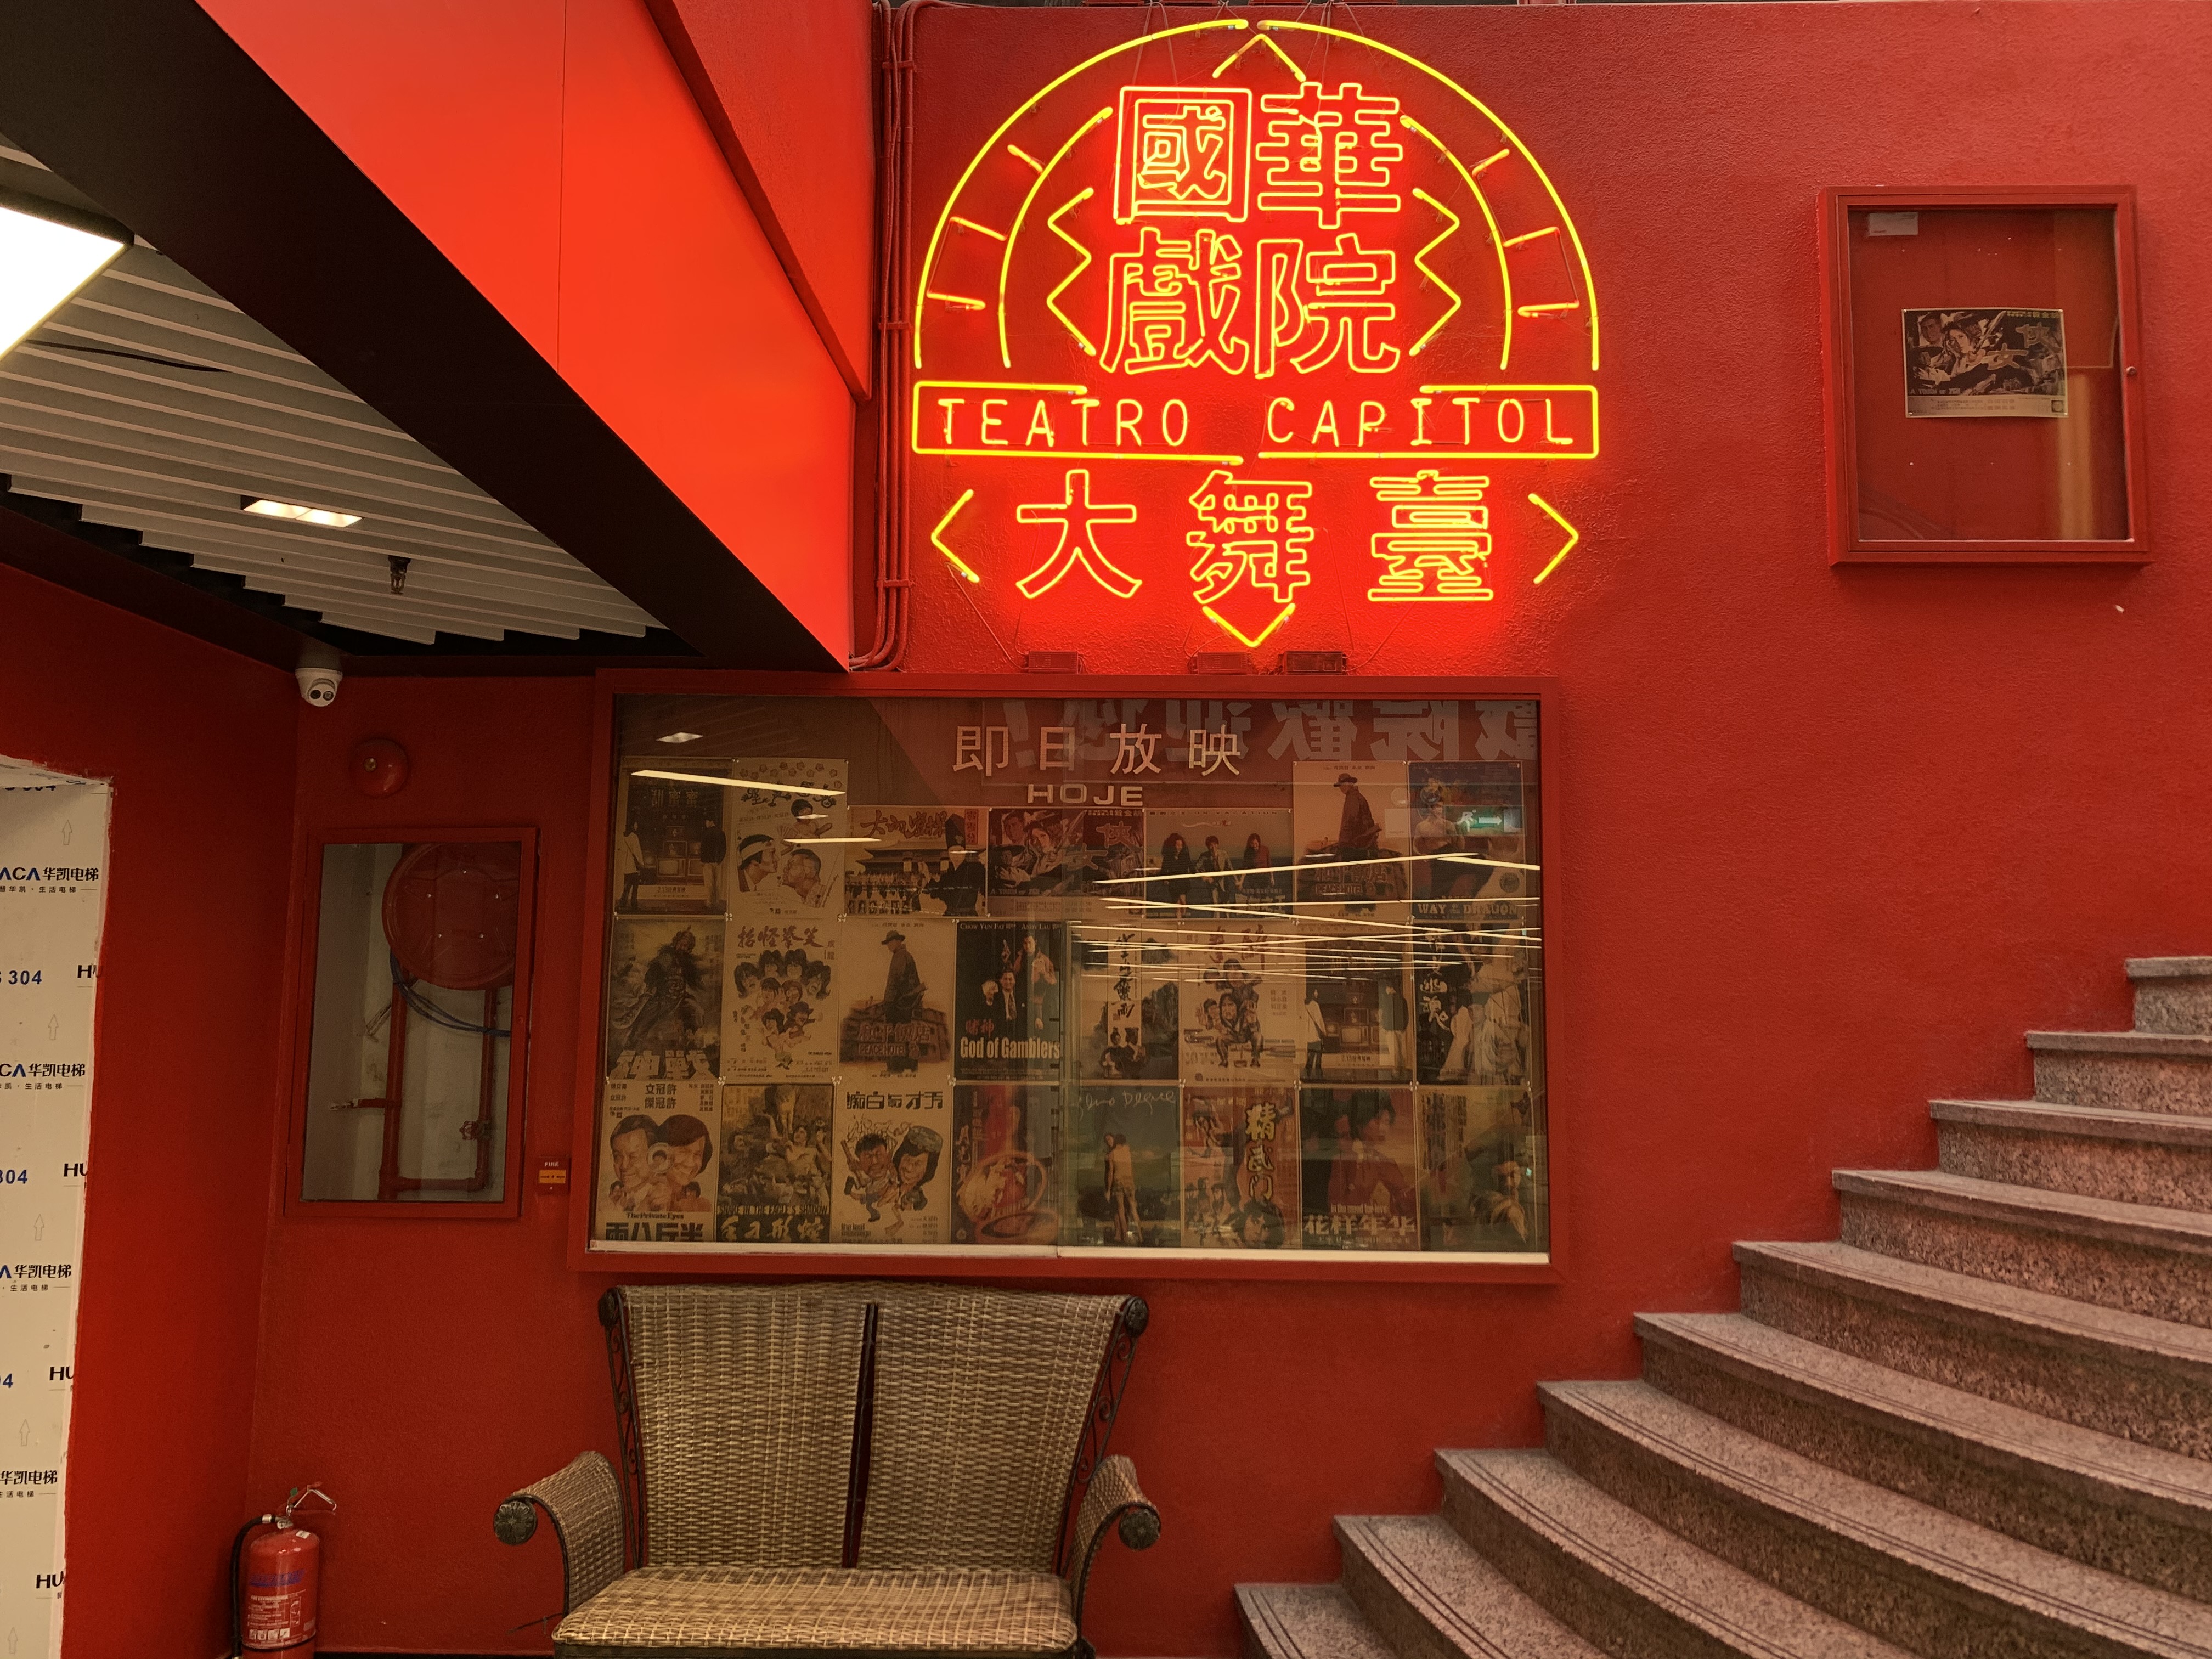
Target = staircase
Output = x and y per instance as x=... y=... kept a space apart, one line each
x=1979 y=1426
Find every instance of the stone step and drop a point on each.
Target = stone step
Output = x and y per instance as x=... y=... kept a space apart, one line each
x=2172 y=994
x=1917 y=1575
x=1433 y=1597
x=2131 y=1509
x=1622 y=1582
x=2133 y=1157
x=2119 y=1373
x=2136 y=1256
x=1305 y=1621
x=2124 y=1071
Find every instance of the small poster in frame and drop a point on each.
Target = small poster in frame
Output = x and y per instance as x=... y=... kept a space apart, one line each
x=1983 y=361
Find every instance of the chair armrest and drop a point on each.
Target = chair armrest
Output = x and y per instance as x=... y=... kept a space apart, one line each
x=1113 y=1500
x=585 y=1502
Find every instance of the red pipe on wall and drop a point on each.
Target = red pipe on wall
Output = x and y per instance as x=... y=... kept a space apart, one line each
x=892 y=328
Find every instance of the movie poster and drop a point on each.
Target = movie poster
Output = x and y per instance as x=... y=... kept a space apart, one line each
x=1357 y=1016
x=657 y=1167
x=1047 y=859
x=1463 y=811
x=898 y=994
x=918 y=861
x=670 y=843
x=1985 y=360
x=1127 y=1029
x=779 y=1008
x=1472 y=1009
x=892 y=1183
x=786 y=805
x=1240 y=1169
x=1476 y=1184
x=1237 y=1004
x=1005 y=1163
x=777 y=1160
x=1352 y=823
x=1124 y=1148
x=1205 y=865
x=1011 y=1009
x=664 y=998
x=1358 y=1157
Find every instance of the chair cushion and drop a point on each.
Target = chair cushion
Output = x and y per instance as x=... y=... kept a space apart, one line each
x=667 y=1611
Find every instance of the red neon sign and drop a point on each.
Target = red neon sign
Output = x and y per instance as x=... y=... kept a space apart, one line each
x=1281 y=303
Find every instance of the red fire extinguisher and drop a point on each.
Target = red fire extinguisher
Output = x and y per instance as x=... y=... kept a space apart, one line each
x=274 y=1582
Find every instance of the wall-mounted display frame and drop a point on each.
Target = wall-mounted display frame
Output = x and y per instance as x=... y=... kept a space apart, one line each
x=783 y=1109
x=1985 y=381
x=412 y=971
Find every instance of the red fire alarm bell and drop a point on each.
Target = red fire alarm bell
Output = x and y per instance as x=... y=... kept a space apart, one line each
x=378 y=767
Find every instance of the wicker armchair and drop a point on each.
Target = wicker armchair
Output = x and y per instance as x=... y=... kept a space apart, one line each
x=901 y=1468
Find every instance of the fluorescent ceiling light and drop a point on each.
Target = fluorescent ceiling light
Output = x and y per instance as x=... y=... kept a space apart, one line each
x=1271 y=869
x=681 y=737
x=324 y=516
x=739 y=783
x=44 y=260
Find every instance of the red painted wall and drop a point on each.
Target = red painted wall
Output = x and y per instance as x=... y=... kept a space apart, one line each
x=198 y=742
x=788 y=90
x=426 y=1368
x=1831 y=841
x=555 y=156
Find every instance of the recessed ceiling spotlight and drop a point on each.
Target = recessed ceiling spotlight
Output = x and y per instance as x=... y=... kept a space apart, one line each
x=324 y=516
x=681 y=737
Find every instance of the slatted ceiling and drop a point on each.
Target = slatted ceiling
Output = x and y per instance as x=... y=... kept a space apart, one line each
x=489 y=599
x=428 y=587
x=47 y=385
x=209 y=493
x=493 y=602
x=223 y=402
x=225 y=411
x=81 y=427
x=428 y=600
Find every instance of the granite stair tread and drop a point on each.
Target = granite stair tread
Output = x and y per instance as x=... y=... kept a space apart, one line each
x=1307 y=1621
x=2023 y=1443
x=2158 y=1045
x=2088 y=1122
x=1466 y=1605
x=2054 y=1598
x=1960 y=1298
x=1606 y=1539
x=2170 y=967
x=2145 y=1224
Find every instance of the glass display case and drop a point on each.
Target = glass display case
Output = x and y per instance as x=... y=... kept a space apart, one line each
x=1985 y=391
x=1040 y=975
x=409 y=1094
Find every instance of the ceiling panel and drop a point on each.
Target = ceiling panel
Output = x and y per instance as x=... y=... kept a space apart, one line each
x=154 y=405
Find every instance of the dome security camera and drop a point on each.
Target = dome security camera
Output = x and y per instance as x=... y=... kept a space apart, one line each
x=318 y=674
x=318 y=687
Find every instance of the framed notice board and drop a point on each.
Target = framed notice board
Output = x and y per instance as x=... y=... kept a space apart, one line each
x=1984 y=378
x=1220 y=977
